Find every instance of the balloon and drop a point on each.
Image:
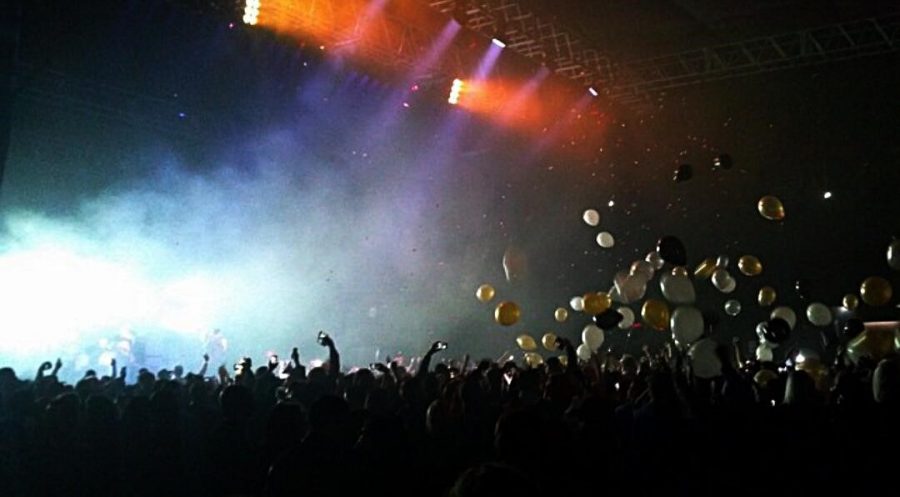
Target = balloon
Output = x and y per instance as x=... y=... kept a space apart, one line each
x=687 y=325
x=525 y=342
x=549 y=341
x=720 y=278
x=507 y=313
x=514 y=264
x=749 y=265
x=766 y=296
x=630 y=287
x=672 y=250
x=803 y=288
x=684 y=172
x=627 y=318
x=722 y=262
x=760 y=332
x=876 y=342
x=533 y=359
x=730 y=285
x=592 y=336
x=577 y=304
x=852 y=328
x=564 y=360
x=771 y=208
x=705 y=269
x=818 y=314
x=722 y=162
x=485 y=292
x=678 y=290
x=704 y=360
x=595 y=303
x=608 y=319
x=591 y=217
x=560 y=314
x=680 y=271
x=850 y=302
x=764 y=376
x=776 y=330
x=656 y=314
x=655 y=260
x=893 y=255
x=605 y=239
x=764 y=353
x=876 y=291
x=732 y=307
x=583 y=352
x=643 y=268
x=785 y=313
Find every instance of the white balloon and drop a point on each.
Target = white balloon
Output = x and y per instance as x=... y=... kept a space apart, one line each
x=785 y=313
x=722 y=262
x=655 y=260
x=635 y=288
x=627 y=317
x=732 y=307
x=677 y=289
x=730 y=285
x=592 y=336
x=893 y=255
x=764 y=353
x=642 y=267
x=591 y=217
x=605 y=239
x=704 y=360
x=584 y=352
x=686 y=324
x=577 y=304
x=818 y=314
x=720 y=278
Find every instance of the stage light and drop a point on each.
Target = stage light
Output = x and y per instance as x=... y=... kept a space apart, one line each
x=251 y=12
x=592 y=91
x=826 y=195
x=498 y=43
x=455 y=91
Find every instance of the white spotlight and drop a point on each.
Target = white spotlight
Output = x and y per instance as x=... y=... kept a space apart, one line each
x=592 y=91
x=499 y=43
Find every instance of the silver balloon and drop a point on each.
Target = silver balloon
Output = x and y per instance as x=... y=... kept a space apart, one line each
x=722 y=262
x=893 y=255
x=677 y=289
x=730 y=285
x=732 y=307
x=642 y=267
x=764 y=353
x=655 y=260
x=686 y=324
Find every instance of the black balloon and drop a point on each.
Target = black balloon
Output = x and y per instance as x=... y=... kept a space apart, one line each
x=608 y=319
x=722 y=162
x=683 y=173
x=852 y=328
x=672 y=250
x=776 y=330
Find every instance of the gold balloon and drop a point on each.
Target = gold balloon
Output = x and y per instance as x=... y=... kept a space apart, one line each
x=766 y=296
x=877 y=341
x=507 y=313
x=679 y=271
x=525 y=342
x=876 y=291
x=549 y=341
x=705 y=269
x=596 y=303
x=771 y=208
x=485 y=293
x=533 y=359
x=850 y=302
x=560 y=314
x=764 y=376
x=750 y=265
x=656 y=314
x=564 y=360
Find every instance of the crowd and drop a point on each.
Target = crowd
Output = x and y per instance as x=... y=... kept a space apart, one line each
x=614 y=424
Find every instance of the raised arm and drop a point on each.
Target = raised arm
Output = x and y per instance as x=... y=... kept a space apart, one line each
x=426 y=359
x=334 y=358
x=45 y=366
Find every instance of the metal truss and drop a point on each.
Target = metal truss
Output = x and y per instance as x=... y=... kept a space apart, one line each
x=635 y=80
x=529 y=35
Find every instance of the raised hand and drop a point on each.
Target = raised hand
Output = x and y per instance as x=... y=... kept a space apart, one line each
x=295 y=356
x=206 y=358
x=437 y=347
x=45 y=366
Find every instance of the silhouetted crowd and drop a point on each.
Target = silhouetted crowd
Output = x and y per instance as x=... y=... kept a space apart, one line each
x=642 y=425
